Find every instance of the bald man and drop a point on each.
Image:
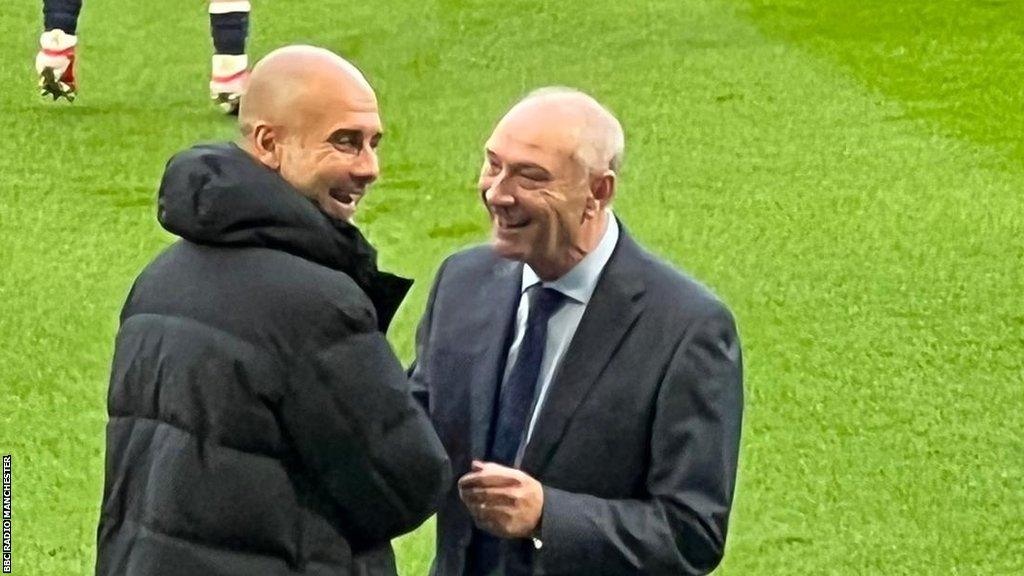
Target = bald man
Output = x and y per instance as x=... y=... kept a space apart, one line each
x=260 y=423
x=589 y=395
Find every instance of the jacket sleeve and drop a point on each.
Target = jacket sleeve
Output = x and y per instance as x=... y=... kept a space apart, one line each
x=351 y=417
x=419 y=372
x=681 y=527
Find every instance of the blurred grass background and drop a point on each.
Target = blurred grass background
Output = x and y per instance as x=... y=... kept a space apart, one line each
x=846 y=175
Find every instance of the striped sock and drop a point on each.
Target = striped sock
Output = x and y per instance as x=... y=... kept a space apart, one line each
x=229 y=26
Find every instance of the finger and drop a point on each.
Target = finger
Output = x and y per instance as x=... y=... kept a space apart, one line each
x=471 y=477
x=482 y=514
x=490 y=479
x=477 y=511
x=477 y=469
x=498 y=518
x=493 y=467
x=464 y=496
x=490 y=496
x=475 y=497
x=469 y=480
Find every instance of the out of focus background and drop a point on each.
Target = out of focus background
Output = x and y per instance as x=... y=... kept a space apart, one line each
x=848 y=176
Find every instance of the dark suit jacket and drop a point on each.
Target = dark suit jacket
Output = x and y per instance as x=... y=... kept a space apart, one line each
x=636 y=444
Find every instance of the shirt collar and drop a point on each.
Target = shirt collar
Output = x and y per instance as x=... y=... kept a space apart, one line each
x=580 y=282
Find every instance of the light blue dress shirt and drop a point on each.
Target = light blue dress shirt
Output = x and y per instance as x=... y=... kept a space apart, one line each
x=578 y=286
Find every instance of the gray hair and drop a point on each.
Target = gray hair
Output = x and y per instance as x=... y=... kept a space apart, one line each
x=602 y=143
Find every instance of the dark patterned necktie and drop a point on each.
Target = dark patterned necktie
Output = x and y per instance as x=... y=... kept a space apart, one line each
x=517 y=391
x=483 y=557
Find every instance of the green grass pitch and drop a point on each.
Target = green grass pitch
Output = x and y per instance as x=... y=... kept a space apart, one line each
x=847 y=175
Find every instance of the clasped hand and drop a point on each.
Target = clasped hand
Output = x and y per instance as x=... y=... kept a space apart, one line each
x=503 y=501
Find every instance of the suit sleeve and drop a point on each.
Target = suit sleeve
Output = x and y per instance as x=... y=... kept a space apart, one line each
x=681 y=527
x=357 y=429
x=419 y=372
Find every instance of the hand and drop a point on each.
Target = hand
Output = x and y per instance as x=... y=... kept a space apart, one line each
x=503 y=501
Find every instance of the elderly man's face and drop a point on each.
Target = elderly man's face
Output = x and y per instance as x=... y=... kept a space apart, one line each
x=535 y=189
x=329 y=151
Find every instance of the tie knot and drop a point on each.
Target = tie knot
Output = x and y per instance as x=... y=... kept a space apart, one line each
x=544 y=302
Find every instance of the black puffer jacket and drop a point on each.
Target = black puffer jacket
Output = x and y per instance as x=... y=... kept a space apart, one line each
x=260 y=423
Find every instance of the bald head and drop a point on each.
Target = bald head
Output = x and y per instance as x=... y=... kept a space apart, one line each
x=290 y=84
x=576 y=120
x=311 y=116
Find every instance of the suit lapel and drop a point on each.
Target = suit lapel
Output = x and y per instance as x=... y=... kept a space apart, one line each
x=495 y=315
x=613 y=309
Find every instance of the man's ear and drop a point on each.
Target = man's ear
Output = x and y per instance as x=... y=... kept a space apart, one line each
x=602 y=190
x=265 y=142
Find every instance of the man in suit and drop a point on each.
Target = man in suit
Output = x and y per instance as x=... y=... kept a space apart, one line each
x=588 y=395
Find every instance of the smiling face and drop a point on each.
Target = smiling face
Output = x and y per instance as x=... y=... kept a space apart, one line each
x=311 y=116
x=546 y=207
x=330 y=155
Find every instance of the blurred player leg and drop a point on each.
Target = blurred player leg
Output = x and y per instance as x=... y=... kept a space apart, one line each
x=229 y=26
x=55 y=61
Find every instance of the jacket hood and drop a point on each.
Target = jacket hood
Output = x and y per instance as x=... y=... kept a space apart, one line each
x=216 y=194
